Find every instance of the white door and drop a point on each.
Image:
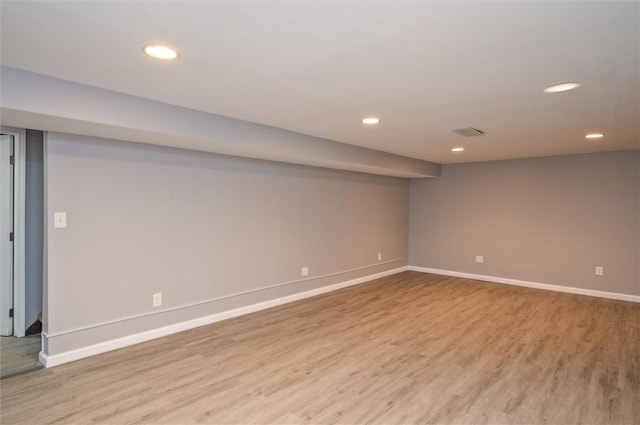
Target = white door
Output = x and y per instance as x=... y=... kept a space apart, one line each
x=6 y=228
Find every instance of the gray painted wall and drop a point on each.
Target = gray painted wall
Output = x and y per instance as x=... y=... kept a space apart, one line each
x=545 y=220
x=198 y=226
x=34 y=225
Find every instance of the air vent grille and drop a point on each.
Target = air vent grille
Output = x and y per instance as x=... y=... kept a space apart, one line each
x=468 y=132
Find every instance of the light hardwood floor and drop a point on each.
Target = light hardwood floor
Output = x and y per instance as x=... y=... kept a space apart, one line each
x=19 y=355
x=409 y=348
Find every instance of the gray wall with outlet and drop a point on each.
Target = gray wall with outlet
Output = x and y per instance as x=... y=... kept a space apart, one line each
x=552 y=220
x=195 y=227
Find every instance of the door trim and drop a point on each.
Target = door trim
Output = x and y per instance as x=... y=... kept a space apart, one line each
x=19 y=214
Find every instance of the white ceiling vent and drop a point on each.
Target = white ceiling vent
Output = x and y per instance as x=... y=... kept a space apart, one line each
x=468 y=131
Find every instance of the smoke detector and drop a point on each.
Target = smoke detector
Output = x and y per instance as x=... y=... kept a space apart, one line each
x=468 y=132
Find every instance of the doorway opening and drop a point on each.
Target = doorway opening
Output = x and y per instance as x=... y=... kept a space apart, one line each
x=21 y=249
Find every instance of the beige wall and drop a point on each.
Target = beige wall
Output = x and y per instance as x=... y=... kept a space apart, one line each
x=198 y=227
x=545 y=220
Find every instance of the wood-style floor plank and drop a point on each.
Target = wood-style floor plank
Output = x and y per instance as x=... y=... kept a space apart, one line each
x=409 y=348
x=19 y=355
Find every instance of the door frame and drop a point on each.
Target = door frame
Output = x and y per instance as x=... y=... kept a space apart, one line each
x=19 y=214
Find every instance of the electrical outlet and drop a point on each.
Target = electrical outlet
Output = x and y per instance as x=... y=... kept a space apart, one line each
x=599 y=271
x=304 y=271
x=479 y=259
x=157 y=299
x=379 y=256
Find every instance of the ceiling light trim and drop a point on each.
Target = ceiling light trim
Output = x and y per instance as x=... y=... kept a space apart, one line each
x=161 y=52
x=371 y=120
x=594 y=136
x=562 y=87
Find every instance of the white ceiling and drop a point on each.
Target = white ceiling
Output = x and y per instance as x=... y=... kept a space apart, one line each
x=319 y=67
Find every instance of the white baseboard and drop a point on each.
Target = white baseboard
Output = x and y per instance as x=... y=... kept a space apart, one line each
x=42 y=358
x=103 y=347
x=516 y=282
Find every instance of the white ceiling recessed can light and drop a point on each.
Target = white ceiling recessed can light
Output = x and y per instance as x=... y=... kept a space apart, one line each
x=370 y=120
x=457 y=149
x=161 y=52
x=557 y=88
x=594 y=136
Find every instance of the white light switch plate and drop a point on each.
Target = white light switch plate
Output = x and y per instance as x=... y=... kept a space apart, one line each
x=59 y=220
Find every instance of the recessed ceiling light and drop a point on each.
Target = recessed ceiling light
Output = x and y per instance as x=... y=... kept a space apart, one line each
x=457 y=149
x=557 y=88
x=161 y=52
x=371 y=120
x=594 y=136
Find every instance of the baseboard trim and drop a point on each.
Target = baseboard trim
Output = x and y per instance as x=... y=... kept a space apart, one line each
x=156 y=312
x=527 y=284
x=103 y=347
x=43 y=358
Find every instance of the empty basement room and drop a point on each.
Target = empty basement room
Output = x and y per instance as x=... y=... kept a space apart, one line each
x=322 y=212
